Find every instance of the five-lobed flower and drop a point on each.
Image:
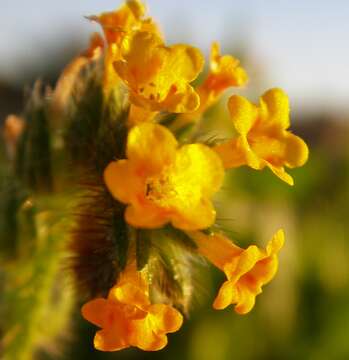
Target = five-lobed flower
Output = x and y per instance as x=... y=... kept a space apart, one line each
x=127 y=317
x=116 y=25
x=162 y=182
x=225 y=71
x=158 y=76
x=247 y=270
x=263 y=136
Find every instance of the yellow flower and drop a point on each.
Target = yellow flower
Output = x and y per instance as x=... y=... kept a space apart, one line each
x=225 y=71
x=158 y=76
x=162 y=182
x=264 y=139
x=246 y=270
x=116 y=25
x=127 y=317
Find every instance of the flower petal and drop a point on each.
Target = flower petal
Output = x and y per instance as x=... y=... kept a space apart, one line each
x=246 y=261
x=276 y=243
x=142 y=57
x=246 y=302
x=247 y=271
x=243 y=113
x=180 y=99
x=165 y=318
x=224 y=297
x=217 y=248
x=142 y=335
x=146 y=216
x=186 y=62
x=199 y=216
x=296 y=152
x=130 y=294
x=110 y=340
x=236 y=152
x=198 y=167
x=151 y=147
x=96 y=311
x=115 y=23
x=275 y=109
x=122 y=181
x=280 y=172
x=225 y=71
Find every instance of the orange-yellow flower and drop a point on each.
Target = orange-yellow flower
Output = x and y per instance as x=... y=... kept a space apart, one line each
x=158 y=76
x=225 y=71
x=264 y=139
x=127 y=317
x=246 y=270
x=163 y=183
x=116 y=24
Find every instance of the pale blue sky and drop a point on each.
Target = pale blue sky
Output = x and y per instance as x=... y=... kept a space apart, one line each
x=301 y=45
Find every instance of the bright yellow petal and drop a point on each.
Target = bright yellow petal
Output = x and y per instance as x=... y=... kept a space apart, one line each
x=280 y=172
x=137 y=8
x=247 y=273
x=147 y=216
x=180 y=99
x=245 y=262
x=185 y=62
x=142 y=335
x=159 y=76
x=225 y=71
x=275 y=109
x=274 y=147
x=198 y=167
x=139 y=114
x=166 y=318
x=197 y=174
x=181 y=65
x=116 y=23
x=201 y=216
x=225 y=296
x=296 y=152
x=123 y=181
x=110 y=340
x=246 y=302
x=243 y=113
x=276 y=243
x=96 y=311
x=143 y=58
x=151 y=147
x=217 y=248
x=233 y=152
x=130 y=294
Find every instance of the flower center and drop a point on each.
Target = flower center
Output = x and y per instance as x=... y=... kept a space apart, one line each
x=174 y=188
x=162 y=190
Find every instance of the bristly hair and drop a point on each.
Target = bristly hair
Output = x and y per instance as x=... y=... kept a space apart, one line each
x=172 y=264
x=99 y=241
x=95 y=134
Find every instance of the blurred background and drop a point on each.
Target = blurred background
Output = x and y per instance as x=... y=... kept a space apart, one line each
x=298 y=46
